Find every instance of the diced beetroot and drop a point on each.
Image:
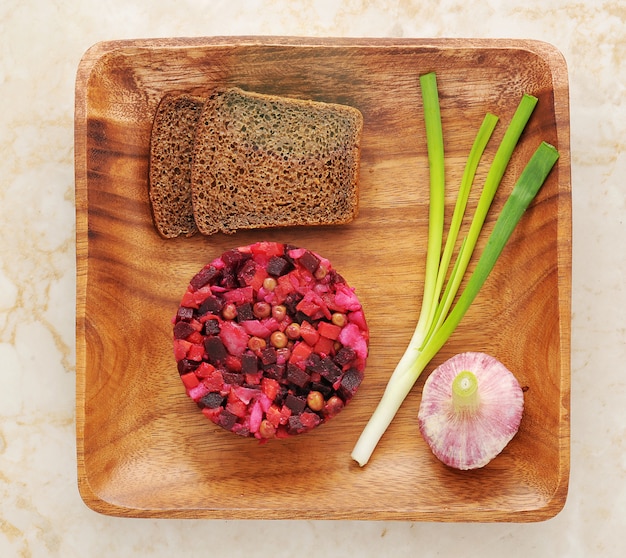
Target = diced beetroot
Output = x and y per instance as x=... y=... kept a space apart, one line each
x=252 y=274
x=254 y=383
x=312 y=363
x=344 y=356
x=186 y=365
x=297 y=376
x=277 y=266
x=329 y=370
x=184 y=313
x=249 y=363
x=203 y=277
x=244 y=312
x=350 y=383
x=302 y=423
x=182 y=330
x=310 y=261
x=211 y=327
x=233 y=257
x=296 y=404
x=246 y=272
x=232 y=378
x=268 y=356
x=211 y=305
x=227 y=419
x=211 y=400
x=215 y=349
x=274 y=371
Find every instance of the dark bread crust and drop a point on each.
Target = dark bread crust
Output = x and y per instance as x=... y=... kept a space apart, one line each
x=171 y=149
x=266 y=161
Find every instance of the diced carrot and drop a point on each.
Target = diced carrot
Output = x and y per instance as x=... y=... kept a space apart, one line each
x=196 y=337
x=214 y=381
x=324 y=345
x=331 y=331
x=204 y=370
x=190 y=380
x=309 y=333
x=195 y=352
x=181 y=347
x=270 y=387
x=300 y=352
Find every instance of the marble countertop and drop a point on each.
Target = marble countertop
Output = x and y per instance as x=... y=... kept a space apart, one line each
x=42 y=513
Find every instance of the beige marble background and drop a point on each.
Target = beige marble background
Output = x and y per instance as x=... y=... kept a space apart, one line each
x=41 y=42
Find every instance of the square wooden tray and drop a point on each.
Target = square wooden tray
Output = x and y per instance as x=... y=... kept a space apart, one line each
x=144 y=449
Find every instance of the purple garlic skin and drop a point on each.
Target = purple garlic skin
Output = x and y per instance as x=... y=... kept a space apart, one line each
x=469 y=439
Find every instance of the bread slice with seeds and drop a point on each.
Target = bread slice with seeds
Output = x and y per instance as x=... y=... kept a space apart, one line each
x=268 y=161
x=171 y=150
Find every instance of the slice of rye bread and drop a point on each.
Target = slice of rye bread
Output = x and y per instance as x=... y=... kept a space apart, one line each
x=171 y=151
x=267 y=161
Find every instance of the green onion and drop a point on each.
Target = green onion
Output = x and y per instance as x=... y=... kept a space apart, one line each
x=437 y=322
x=494 y=177
x=434 y=133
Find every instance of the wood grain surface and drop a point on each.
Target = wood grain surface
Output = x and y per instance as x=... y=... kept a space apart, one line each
x=145 y=450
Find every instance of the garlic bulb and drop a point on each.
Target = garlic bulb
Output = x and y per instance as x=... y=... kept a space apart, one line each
x=471 y=408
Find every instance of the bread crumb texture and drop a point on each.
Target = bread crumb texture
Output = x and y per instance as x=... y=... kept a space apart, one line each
x=258 y=161
x=171 y=154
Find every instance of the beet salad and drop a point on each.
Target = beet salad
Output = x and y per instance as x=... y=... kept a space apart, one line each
x=270 y=340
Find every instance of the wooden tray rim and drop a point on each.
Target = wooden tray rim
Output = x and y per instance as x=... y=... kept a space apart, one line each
x=557 y=64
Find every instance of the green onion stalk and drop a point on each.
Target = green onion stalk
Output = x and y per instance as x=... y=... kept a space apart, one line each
x=439 y=316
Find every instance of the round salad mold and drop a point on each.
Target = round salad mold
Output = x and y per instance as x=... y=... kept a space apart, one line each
x=270 y=340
